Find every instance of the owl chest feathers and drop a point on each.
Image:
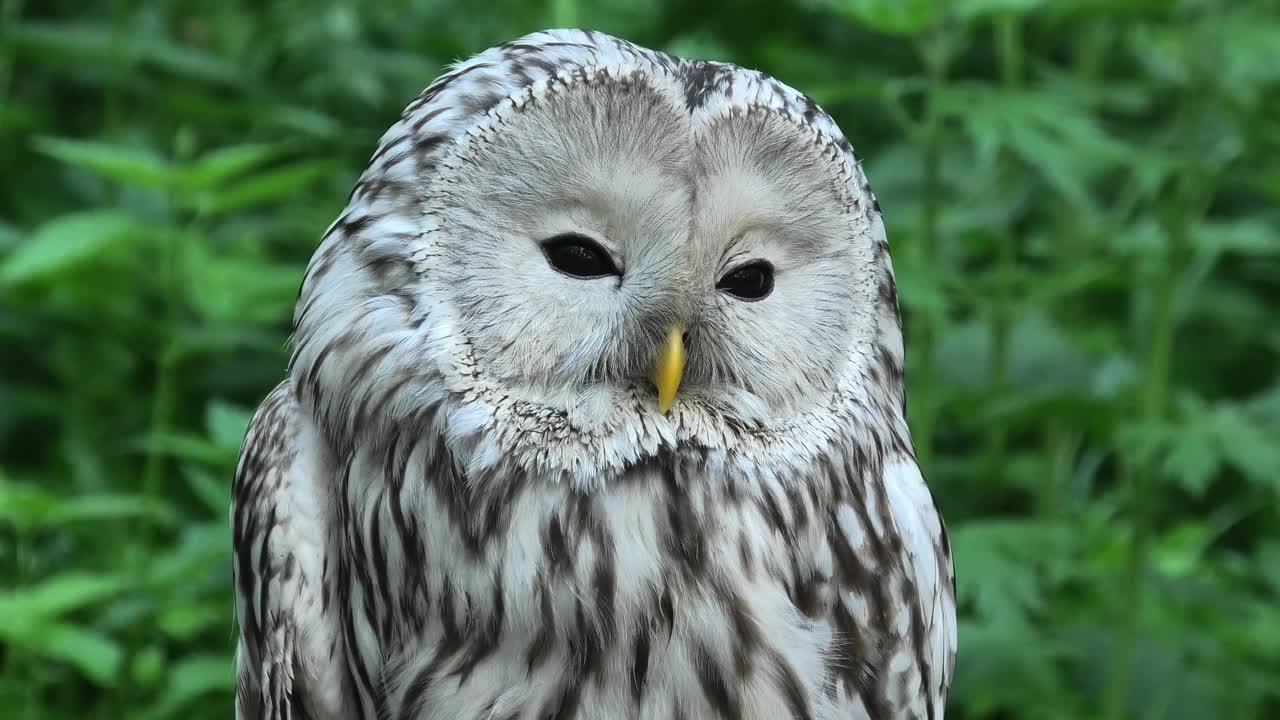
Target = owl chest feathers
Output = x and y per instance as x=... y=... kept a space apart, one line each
x=670 y=592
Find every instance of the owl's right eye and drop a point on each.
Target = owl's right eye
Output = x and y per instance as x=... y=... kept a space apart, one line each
x=579 y=256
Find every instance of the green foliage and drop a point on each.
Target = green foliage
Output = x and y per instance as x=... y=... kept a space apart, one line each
x=1082 y=201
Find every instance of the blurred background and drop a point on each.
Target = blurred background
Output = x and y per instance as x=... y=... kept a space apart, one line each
x=1081 y=198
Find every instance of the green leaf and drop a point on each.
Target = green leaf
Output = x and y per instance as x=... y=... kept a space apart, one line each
x=223 y=164
x=1206 y=437
x=212 y=488
x=67 y=242
x=1076 y=279
x=96 y=655
x=148 y=666
x=700 y=45
x=1254 y=451
x=1251 y=237
x=10 y=236
x=920 y=287
x=66 y=41
x=199 y=556
x=270 y=186
x=1004 y=664
x=91 y=44
x=193 y=678
x=29 y=619
x=1144 y=238
x=301 y=120
x=1179 y=552
x=26 y=506
x=184 y=620
x=895 y=17
x=188 y=62
x=1269 y=561
x=564 y=13
x=1240 y=51
x=980 y=8
x=1000 y=564
x=115 y=506
x=126 y=165
x=187 y=446
x=242 y=290
x=1043 y=356
x=227 y=424
x=1047 y=129
x=58 y=595
x=1193 y=460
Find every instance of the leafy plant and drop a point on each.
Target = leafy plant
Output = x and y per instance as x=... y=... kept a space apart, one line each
x=1082 y=201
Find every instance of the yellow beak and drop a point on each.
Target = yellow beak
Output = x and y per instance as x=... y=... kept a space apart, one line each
x=670 y=368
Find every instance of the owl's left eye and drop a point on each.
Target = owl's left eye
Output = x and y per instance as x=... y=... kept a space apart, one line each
x=579 y=256
x=752 y=281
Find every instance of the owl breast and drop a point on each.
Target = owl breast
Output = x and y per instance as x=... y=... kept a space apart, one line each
x=669 y=593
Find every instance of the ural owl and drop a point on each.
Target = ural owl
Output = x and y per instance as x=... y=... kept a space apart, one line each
x=595 y=410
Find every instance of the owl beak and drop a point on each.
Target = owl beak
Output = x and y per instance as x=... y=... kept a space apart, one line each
x=670 y=368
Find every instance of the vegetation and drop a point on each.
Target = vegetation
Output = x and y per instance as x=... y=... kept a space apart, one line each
x=1082 y=198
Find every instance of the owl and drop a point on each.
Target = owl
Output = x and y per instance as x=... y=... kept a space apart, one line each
x=595 y=409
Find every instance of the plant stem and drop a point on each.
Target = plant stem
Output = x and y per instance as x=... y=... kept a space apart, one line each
x=1188 y=203
x=10 y=10
x=164 y=401
x=936 y=56
x=1062 y=445
x=1009 y=39
x=1091 y=50
x=564 y=13
x=1139 y=482
x=161 y=423
x=172 y=269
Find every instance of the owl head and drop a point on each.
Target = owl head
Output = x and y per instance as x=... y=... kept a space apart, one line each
x=579 y=240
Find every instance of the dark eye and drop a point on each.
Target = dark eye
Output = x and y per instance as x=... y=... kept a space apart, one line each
x=579 y=256
x=753 y=281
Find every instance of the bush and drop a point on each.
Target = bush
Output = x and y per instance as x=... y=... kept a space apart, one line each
x=1082 y=202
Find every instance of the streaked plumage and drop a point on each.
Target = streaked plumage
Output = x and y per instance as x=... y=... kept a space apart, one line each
x=464 y=502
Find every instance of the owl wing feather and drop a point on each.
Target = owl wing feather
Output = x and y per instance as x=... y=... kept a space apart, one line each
x=931 y=634
x=290 y=659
